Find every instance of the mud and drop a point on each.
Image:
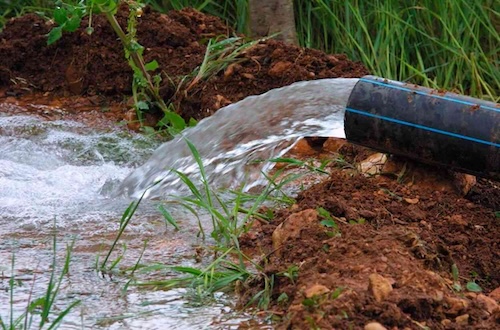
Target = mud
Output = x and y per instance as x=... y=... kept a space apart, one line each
x=389 y=260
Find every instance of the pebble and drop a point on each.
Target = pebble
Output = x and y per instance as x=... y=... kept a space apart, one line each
x=316 y=290
x=462 y=319
x=374 y=326
x=379 y=286
x=489 y=303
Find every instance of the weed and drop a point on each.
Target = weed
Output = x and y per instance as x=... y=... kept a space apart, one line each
x=292 y=273
x=220 y=52
x=43 y=306
x=470 y=286
x=329 y=222
x=145 y=88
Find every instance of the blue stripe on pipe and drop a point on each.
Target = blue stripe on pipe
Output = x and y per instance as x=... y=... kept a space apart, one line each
x=426 y=128
x=427 y=94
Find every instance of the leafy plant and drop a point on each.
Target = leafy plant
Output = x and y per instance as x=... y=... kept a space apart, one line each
x=145 y=87
x=329 y=222
x=470 y=286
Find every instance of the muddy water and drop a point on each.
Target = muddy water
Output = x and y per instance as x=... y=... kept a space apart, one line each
x=55 y=179
x=256 y=128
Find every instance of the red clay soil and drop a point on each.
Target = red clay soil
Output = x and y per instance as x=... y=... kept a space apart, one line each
x=94 y=65
x=390 y=259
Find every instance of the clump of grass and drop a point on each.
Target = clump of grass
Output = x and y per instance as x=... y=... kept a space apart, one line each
x=41 y=308
x=451 y=44
x=232 y=213
x=220 y=53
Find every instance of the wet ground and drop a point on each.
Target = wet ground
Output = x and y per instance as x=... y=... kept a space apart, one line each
x=387 y=245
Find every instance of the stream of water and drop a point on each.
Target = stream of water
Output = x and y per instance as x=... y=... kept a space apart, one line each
x=256 y=128
x=65 y=179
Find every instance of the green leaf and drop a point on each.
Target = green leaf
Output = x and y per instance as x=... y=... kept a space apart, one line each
x=328 y=223
x=176 y=121
x=54 y=35
x=60 y=15
x=308 y=302
x=192 y=122
x=72 y=24
x=151 y=66
x=497 y=214
x=473 y=287
x=283 y=298
x=454 y=272
x=141 y=105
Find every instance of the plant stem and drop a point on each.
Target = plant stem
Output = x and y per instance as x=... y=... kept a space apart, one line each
x=136 y=58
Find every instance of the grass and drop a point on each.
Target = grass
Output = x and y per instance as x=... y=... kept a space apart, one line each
x=232 y=213
x=42 y=308
x=450 y=44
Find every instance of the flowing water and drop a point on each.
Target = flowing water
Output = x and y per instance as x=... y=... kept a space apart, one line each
x=235 y=137
x=65 y=180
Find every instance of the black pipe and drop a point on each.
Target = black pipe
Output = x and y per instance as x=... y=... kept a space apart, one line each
x=427 y=125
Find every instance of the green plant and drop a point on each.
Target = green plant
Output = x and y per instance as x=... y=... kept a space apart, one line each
x=329 y=222
x=470 y=286
x=220 y=53
x=451 y=44
x=292 y=273
x=145 y=88
x=41 y=307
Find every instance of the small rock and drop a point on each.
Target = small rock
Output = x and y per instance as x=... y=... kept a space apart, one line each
x=316 y=290
x=462 y=319
x=379 y=286
x=333 y=144
x=412 y=200
x=292 y=226
x=279 y=68
x=133 y=122
x=464 y=182
x=489 y=303
x=495 y=294
x=374 y=326
x=455 y=305
x=373 y=164
x=446 y=322
x=303 y=148
x=458 y=220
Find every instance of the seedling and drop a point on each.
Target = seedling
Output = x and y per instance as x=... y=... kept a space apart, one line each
x=470 y=286
x=292 y=273
x=145 y=88
x=329 y=222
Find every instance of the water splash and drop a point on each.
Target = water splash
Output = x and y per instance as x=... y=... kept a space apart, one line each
x=62 y=169
x=256 y=128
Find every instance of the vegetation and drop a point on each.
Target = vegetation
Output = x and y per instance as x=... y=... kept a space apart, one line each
x=40 y=308
x=451 y=44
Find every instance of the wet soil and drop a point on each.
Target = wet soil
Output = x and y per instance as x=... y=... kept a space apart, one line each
x=352 y=249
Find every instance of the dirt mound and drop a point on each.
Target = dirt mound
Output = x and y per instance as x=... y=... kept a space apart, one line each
x=388 y=258
x=82 y=64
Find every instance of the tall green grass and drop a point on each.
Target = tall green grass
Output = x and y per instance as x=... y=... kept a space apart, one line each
x=450 y=44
